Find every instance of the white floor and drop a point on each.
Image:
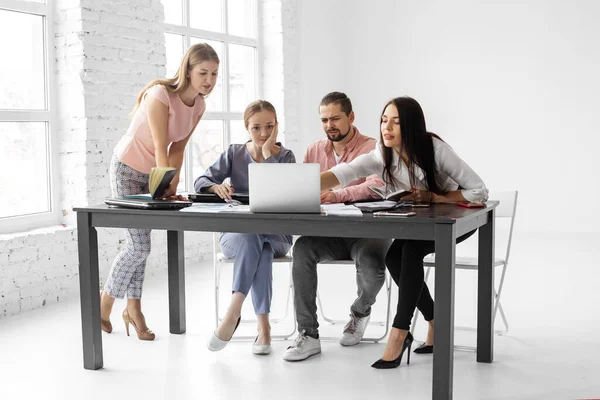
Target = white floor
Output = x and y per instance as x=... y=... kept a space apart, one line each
x=552 y=350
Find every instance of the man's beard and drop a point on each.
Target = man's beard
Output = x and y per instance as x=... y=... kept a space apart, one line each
x=339 y=137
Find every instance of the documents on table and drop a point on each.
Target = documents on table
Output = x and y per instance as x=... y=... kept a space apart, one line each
x=217 y=208
x=338 y=209
x=207 y=207
x=341 y=210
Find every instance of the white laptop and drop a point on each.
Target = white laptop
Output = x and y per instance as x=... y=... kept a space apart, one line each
x=284 y=188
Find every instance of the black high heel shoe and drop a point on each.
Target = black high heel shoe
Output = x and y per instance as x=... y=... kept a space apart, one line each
x=382 y=364
x=424 y=349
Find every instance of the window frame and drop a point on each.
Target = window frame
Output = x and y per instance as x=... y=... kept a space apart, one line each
x=20 y=223
x=225 y=116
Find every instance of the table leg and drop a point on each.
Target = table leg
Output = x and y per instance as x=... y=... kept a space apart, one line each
x=443 y=357
x=87 y=245
x=485 y=292
x=176 y=261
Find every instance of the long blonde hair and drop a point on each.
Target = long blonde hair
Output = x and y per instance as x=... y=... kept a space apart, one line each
x=195 y=55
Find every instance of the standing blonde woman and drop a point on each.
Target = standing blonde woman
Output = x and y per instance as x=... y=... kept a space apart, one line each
x=163 y=120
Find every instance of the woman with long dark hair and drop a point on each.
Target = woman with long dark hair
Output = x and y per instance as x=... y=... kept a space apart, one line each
x=409 y=157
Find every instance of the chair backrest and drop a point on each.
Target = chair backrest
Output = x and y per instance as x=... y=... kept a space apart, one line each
x=506 y=210
x=503 y=223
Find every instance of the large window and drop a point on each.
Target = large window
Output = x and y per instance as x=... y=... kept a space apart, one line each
x=230 y=27
x=26 y=161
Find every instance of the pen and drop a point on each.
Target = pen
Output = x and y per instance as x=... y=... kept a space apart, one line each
x=394 y=214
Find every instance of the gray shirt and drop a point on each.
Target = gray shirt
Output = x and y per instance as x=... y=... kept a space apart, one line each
x=233 y=164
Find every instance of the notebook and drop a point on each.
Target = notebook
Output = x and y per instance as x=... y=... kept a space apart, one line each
x=243 y=198
x=149 y=204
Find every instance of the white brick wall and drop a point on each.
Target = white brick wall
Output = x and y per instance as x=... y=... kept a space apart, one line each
x=106 y=51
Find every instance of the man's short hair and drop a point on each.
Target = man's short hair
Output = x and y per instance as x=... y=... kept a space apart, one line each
x=338 y=98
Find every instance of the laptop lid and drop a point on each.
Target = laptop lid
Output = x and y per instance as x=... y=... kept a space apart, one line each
x=284 y=188
x=149 y=204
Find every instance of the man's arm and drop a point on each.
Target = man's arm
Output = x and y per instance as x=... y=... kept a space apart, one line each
x=359 y=192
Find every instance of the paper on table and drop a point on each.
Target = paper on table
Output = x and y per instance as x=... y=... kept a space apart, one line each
x=329 y=206
x=243 y=208
x=342 y=211
x=207 y=207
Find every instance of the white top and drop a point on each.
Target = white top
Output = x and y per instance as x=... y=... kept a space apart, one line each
x=452 y=171
x=337 y=158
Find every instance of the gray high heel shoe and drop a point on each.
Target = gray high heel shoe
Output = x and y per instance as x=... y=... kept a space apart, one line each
x=261 y=349
x=216 y=344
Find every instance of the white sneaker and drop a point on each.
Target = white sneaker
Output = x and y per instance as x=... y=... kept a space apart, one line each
x=304 y=346
x=354 y=330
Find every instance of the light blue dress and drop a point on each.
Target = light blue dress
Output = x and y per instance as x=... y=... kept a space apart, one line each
x=253 y=252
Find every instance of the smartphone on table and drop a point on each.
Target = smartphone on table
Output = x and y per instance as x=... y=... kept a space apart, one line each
x=469 y=204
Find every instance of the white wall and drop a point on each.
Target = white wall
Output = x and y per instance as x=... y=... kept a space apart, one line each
x=512 y=86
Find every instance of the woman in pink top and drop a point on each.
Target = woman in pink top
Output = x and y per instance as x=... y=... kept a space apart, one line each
x=164 y=118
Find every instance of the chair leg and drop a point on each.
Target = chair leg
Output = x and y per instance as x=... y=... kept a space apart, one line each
x=504 y=320
x=388 y=288
x=322 y=311
x=217 y=278
x=498 y=305
x=290 y=297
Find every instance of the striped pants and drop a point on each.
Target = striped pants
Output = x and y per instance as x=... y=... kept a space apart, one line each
x=127 y=272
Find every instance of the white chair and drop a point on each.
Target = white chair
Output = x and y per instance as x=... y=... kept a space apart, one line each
x=505 y=212
x=386 y=323
x=219 y=259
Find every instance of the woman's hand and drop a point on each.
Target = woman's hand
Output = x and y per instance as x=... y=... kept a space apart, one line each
x=224 y=191
x=177 y=197
x=328 y=197
x=270 y=147
x=172 y=190
x=419 y=196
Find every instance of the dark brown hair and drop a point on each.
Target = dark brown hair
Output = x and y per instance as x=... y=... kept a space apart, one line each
x=338 y=98
x=417 y=143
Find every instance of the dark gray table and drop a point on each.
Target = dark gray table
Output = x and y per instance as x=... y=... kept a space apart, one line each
x=442 y=223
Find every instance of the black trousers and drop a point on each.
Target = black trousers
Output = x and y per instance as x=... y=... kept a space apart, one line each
x=404 y=260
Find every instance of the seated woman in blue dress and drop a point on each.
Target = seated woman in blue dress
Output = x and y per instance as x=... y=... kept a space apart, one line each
x=252 y=253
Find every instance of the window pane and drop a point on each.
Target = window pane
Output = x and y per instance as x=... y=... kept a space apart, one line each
x=174 y=50
x=23 y=150
x=214 y=102
x=206 y=15
x=242 y=76
x=173 y=11
x=22 y=80
x=238 y=132
x=241 y=17
x=207 y=145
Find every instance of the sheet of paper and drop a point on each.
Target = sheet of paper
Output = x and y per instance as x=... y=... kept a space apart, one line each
x=345 y=211
x=385 y=203
x=243 y=208
x=332 y=206
x=207 y=208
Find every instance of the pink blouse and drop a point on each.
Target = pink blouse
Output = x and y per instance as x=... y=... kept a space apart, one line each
x=136 y=147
